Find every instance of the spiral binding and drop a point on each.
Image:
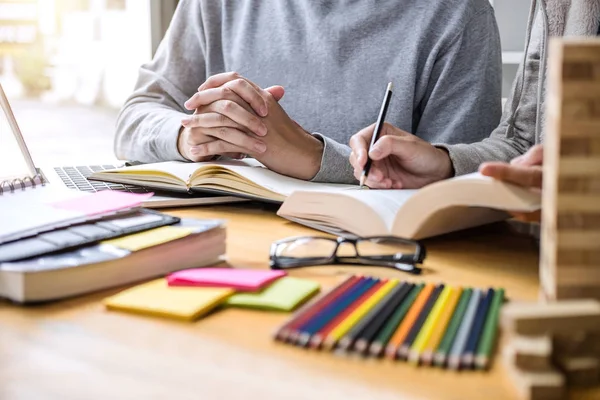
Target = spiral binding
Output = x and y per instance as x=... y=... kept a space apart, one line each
x=16 y=184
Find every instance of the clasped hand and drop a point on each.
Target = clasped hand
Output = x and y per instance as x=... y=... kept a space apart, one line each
x=233 y=116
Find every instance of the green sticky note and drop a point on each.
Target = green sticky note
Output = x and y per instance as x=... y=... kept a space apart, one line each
x=284 y=294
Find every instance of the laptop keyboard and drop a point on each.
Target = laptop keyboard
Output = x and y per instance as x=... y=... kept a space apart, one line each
x=76 y=178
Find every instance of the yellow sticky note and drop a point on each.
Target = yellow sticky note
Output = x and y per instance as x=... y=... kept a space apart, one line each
x=159 y=299
x=152 y=237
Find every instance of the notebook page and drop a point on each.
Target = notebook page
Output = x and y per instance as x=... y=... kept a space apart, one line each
x=385 y=203
x=283 y=185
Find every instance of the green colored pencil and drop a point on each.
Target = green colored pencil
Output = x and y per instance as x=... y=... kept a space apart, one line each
x=389 y=328
x=446 y=343
x=490 y=329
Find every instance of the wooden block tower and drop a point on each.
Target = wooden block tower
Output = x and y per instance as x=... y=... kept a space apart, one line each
x=570 y=239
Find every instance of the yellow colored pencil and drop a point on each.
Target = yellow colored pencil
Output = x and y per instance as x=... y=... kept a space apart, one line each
x=429 y=325
x=441 y=325
x=358 y=314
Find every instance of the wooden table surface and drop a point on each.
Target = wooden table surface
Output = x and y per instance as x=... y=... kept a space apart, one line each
x=75 y=349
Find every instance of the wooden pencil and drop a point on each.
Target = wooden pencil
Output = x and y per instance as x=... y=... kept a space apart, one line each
x=366 y=337
x=330 y=311
x=440 y=327
x=391 y=325
x=350 y=337
x=311 y=308
x=484 y=349
x=339 y=331
x=408 y=321
x=468 y=356
x=422 y=338
x=416 y=328
x=445 y=346
x=319 y=336
x=463 y=332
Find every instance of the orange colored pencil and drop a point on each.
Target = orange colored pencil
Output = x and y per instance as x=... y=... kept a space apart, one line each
x=440 y=328
x=409 y=320
x=318 y=337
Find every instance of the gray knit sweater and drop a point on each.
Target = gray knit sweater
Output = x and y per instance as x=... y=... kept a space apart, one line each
x=334 y=58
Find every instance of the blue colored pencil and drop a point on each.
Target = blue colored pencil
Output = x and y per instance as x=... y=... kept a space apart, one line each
x=460 y=341
x=468 y=356
x=329 y=312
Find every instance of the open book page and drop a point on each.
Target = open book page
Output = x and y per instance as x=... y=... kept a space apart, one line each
x=254 y=172
x=385 y=203
x=174 y=172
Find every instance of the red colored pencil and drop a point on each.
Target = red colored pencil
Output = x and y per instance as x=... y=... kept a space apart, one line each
x=310 y=309
x=317 y=338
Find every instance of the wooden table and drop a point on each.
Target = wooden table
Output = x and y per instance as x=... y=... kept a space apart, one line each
x=75 y=349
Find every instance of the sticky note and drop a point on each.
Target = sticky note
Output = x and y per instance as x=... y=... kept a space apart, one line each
x=149 y=238
x=241 y=279
x=157 y=298
x=284 y=294
x=102 y=202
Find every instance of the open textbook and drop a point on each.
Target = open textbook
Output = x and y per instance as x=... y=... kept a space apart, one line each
x=439 y=208
x=245 y=178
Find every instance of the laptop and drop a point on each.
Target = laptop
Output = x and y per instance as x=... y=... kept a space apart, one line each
x=75 y=177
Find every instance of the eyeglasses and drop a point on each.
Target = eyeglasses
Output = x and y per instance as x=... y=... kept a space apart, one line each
x=385 y=251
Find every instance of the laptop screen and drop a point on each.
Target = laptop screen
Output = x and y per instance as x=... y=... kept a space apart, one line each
x=15 y=160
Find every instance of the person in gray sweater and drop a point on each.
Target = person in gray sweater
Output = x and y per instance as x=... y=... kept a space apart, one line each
x=402 y=160
x=212 y=88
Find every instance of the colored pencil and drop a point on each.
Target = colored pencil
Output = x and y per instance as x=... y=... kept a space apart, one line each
x=366 y=336
x=416 y=328
x=321 y=319
x=391 y=325
x=450 y=335
x=349 y=338
x=468 y=356
x=441 y=325
x=409 y=320
x=422 y=338
x=339 y=331
x=318 y=337
x=311 y=308
x=458 y=347
x=484 y=349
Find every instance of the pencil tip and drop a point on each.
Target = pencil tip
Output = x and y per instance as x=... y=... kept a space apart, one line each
x=362 y=181
x=390 y=86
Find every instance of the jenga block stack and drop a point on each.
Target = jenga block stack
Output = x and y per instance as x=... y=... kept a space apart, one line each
x=570 y=238
x=552 y=346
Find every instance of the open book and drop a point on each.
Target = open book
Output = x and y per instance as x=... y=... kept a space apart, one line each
x=439 y=208
x=246 y=178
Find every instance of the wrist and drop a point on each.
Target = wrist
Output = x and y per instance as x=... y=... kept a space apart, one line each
x=314 y=156
x=181 y=143
x=446 y=167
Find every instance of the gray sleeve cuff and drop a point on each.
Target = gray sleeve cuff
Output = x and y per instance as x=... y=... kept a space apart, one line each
x=335 y=163
x=167 y=137
x=465 y=159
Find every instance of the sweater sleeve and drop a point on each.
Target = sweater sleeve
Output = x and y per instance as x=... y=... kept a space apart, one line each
x=516 y=132
x=461 y=100
x=150 y=120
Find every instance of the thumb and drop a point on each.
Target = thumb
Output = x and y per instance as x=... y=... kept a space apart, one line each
x=276 y=91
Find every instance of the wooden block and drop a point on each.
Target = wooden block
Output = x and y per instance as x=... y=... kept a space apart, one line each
x=530 y=353
x=575 y=146
x=535 y=319
x=580 y=221
x=549 y=385
x=578 y=49
x=575 y=185
x=571 y=293
x=579 y=371
x=580 y=202
x=578 y=257
x=576 y=129
x=579 y=166
x=580 y=344
x=578 y=239
x=578 y=275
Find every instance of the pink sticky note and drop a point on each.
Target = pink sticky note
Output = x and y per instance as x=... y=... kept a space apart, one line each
x=102 y=202
x=241 y=279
